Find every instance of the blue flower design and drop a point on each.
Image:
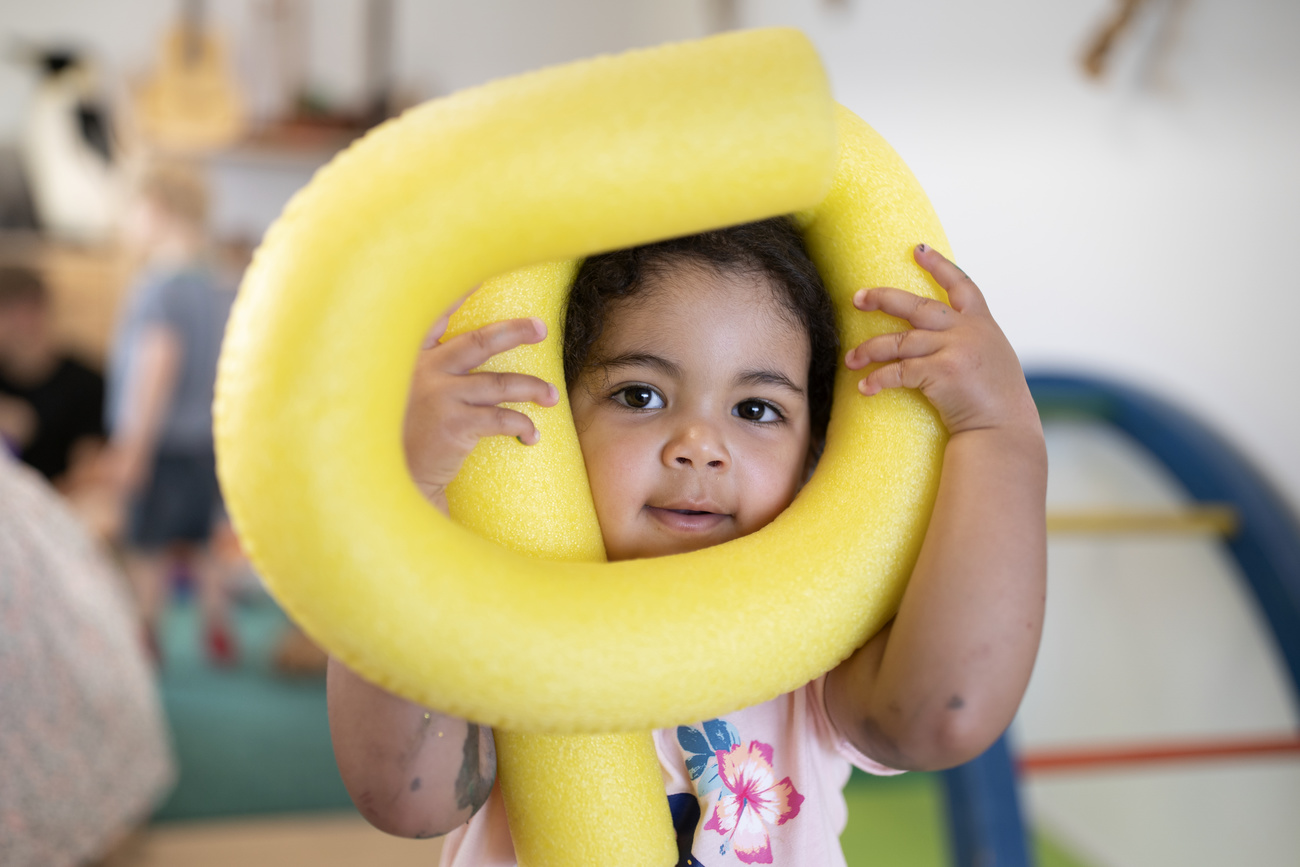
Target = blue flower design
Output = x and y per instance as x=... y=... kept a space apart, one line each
x=702 y=748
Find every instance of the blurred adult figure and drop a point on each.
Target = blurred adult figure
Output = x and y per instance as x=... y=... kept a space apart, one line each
x=51 y=405
x=83 y=742
x=161 y=371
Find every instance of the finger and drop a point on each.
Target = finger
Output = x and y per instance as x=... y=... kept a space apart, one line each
x=961 y=289
x=489 y=389
x=439 y=327
x=904 y=373
x=920 y=311
x=911 y=343
x=464 y=352
x=490 y=421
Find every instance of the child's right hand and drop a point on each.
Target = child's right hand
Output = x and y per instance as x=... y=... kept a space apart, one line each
x=450 y=406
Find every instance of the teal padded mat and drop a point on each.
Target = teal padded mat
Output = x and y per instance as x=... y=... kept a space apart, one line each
x=247 y=740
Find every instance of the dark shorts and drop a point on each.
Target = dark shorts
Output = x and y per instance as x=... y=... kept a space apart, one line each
x=180 y=503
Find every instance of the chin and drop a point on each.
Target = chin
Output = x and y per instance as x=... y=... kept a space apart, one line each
x=668 y=547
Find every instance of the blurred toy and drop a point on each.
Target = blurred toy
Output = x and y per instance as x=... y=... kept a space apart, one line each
x=191 y=101
x=68 y=149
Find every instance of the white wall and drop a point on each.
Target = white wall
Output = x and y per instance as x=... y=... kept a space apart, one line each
x=1143 y=229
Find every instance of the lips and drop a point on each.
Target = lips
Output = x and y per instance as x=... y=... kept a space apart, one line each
x=687 y=517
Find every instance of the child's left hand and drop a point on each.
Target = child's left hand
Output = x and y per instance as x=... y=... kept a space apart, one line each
x=954 y=353
x=942 y=681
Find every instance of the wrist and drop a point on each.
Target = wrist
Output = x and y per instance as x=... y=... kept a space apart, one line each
x=1018 y=440
x=1012 y=416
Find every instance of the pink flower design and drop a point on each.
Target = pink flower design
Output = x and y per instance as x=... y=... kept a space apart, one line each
x=751 y=801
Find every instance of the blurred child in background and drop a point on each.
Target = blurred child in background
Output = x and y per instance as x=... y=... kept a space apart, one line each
x=161 y=370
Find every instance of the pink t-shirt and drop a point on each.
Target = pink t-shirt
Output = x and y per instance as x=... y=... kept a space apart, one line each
x=763 y=785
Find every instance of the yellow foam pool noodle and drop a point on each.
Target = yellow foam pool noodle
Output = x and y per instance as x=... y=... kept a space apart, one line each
x=542 y=168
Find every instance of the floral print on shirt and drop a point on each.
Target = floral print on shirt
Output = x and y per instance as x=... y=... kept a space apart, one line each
x=750 y=799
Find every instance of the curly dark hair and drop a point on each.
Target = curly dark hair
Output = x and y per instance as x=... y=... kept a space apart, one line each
x=770 y=248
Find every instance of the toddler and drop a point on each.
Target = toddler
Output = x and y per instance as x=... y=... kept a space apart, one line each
x=700 y=371
x=161 y=371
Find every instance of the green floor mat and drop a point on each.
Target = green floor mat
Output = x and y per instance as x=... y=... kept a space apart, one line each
x=900 y=822
x=896 y=821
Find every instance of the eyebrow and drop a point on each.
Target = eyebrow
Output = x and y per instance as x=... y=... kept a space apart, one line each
x=641 y=359
x=769 y=377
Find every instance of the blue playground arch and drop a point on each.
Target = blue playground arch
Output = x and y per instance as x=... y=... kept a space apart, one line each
x=987 y=828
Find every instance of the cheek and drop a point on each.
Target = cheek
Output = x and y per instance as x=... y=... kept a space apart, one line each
x=617 y=465
x=773 y=477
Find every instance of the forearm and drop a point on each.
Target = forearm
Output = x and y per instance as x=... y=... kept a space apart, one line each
x=947 y=677
x=410 y=771
x=148 y=397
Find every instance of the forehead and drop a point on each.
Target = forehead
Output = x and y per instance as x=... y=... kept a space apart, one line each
x=697 y=310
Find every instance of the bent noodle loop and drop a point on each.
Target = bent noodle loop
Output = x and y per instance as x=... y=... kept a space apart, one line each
x=506 y=617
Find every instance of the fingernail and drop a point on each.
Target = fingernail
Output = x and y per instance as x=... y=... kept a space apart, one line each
x=922 y=248
x=554 y=393
x=859 y=297
x=539 y=325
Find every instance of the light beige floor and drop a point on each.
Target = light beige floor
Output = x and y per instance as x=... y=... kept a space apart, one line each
x=329 y=840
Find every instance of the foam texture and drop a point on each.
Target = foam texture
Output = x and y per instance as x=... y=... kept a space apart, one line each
x=585 y=799
x=548 y=167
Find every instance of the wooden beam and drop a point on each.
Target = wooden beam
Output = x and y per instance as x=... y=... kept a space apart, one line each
x=1206 y=519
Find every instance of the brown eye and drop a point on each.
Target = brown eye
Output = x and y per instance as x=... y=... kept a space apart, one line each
x=756 y=410
x=639 y=397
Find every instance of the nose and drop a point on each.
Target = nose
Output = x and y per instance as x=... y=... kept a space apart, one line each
x=698 y=445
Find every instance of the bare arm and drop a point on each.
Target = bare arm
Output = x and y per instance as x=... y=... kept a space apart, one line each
x=940 y=684
x=412 y=771
x=148 y=396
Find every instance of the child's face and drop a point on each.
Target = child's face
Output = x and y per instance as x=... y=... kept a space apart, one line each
x=694 y=420
x=142 y=223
